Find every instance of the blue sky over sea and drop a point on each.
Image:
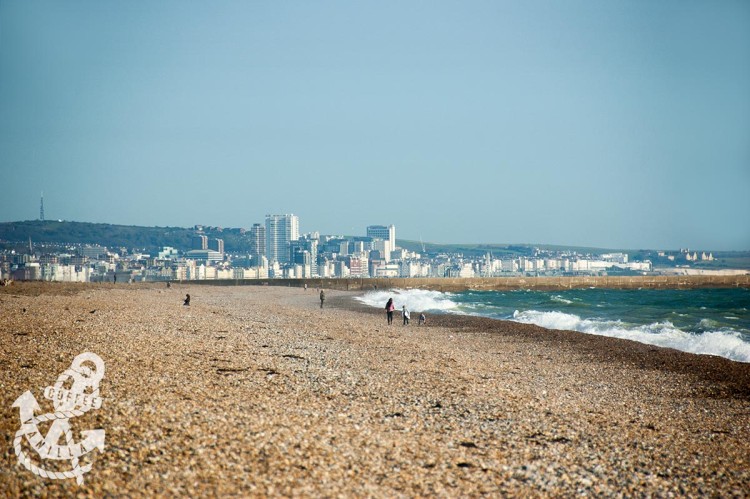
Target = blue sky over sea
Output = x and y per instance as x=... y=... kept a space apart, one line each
x=622 y=124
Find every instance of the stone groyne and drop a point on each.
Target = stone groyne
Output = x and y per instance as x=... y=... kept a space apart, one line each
x=501 y=283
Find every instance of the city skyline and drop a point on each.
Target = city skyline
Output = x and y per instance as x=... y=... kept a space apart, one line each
x=259 y=244
x=618 y=125
x=202 y=256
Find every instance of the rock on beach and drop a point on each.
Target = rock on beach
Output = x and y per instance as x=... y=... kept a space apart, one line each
x=256 y=391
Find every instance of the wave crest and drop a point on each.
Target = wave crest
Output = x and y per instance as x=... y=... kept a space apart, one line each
x=416 y=300
x=728 y=344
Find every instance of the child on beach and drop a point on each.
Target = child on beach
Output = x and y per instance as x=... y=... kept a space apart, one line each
x=405 y=313
x=422 y=319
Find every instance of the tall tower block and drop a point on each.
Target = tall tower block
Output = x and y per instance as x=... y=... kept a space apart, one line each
x=41 y=207
x=281 y=230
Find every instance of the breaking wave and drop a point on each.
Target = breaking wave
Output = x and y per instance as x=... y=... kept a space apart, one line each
x=672 y=324
x=416 y=300
x=560 y=299
x=724 y=343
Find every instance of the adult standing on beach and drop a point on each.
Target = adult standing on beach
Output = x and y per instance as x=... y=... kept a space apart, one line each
x=322 y=298
x=405 y=313
x=389 y=307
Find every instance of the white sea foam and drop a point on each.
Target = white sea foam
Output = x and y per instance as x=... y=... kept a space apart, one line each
x=707 y=324
x=560 y=299
x=727 y=344
x=416 y=300
x=714 y=340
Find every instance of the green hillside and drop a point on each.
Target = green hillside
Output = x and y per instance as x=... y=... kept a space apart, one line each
x=149 y=239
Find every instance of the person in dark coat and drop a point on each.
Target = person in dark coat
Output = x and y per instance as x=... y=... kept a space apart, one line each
x=187 y=300
x=322 y=298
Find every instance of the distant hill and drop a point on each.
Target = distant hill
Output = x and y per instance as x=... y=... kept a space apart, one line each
x=722 y=259
x=499 y=250
x=151 y=239
x=468 y=250
x=147 y=239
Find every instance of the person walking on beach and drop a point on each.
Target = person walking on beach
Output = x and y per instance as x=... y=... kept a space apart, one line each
x=405 y=313
x=389 y=307
x=322 y=298
x=187 y=300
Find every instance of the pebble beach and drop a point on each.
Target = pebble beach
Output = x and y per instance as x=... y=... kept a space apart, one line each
x=256 y=391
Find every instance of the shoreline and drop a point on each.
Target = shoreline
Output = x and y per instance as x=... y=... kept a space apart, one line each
x=733 y=376
x=256 y=391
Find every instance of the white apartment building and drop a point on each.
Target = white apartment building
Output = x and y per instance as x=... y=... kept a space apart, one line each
x=280 y=231
x=552 y=264
x=387 y=270
x=467 y=270
x=64 y=273
x=250 y=273
x=413 y=268
x=168 y=253
x=509 y=265
x=384 y=247
x=615 y=257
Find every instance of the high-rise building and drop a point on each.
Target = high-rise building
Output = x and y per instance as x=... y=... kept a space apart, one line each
x=305 y=246
x=280 y=231
x=384 y=247
x=387 y=233
x=216 y=245
x=199 y=242
x=257 y=243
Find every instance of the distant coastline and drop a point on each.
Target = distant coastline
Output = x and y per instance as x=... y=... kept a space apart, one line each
x=501 y=283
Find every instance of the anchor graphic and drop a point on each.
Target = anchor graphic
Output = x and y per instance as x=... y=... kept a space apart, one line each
x=69 y=403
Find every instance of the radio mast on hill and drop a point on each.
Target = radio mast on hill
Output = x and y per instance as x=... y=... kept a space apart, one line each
x=41 y=208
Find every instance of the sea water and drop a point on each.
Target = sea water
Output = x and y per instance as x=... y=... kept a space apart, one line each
x=702 y=321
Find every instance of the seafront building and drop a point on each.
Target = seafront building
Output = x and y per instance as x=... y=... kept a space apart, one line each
x=275 y=249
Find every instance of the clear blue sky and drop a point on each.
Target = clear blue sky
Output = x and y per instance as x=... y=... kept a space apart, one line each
x=601 y=123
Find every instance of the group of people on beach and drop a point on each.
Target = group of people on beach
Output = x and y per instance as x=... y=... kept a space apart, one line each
x=390 y=307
